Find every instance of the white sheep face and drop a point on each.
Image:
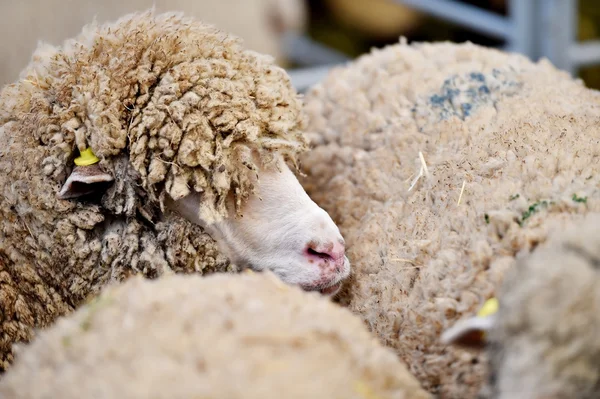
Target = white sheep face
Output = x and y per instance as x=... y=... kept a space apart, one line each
x=281 y=228
x=283 y=231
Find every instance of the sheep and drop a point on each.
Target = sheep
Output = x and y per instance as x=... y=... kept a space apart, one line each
x=260 y=23
x=152 y=145
x=440 y=163
x=221 y=336
x=542 y=341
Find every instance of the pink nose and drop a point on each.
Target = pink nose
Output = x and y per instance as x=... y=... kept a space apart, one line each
x=331 y=253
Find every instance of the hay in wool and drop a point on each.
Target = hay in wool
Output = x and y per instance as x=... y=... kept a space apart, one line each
x=517 y=142
x=170 y=106
x=543 y=340
x=222 y=336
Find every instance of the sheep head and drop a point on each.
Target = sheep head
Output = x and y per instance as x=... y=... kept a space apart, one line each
x=541 y=338
x=281 y=229
x=205 y=131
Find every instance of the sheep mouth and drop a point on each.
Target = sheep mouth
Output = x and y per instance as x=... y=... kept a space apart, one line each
x=329 y=290
x=332 y=289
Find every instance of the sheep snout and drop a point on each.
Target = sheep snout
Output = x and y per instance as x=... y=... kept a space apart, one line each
x=332 y=263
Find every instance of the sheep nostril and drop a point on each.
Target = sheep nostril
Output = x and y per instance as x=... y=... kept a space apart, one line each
x=321 y=255
x=331 y=252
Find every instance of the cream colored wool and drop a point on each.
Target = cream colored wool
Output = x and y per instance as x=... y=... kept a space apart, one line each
x=544 y=341
x=499 y=135
x=223 y=336
x=170 y=106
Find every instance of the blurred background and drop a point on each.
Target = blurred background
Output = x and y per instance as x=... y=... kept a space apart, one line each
x=308 y=37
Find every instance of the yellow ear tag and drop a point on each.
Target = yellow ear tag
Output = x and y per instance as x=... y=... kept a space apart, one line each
x=489 y=307
x=86 y=158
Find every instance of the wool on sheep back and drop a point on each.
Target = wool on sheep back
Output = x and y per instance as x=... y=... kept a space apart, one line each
x=441 y=163
x=170 y=106
x=243 y=336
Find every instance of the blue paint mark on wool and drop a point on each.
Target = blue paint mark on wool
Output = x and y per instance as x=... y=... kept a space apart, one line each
x=462 y=95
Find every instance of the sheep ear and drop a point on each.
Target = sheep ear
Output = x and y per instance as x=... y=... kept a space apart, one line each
x=85 y=180
x=469 y=333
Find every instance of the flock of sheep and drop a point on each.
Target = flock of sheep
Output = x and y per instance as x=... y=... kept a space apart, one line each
x=156 y=242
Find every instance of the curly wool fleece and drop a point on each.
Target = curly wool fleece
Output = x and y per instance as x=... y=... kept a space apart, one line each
x=511 y=150
x=243 y=336
x=169 y=105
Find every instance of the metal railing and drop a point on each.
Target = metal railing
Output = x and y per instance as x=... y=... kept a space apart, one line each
x=535 y=28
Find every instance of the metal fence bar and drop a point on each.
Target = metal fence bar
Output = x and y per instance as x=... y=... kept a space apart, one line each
x=585 y=53
x=465 y=15
x=522 y=38
x=557 y=31
x=306 y=52
x=304 y=78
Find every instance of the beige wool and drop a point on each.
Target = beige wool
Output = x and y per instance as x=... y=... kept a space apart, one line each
x=505 y=148
x=221 y=336
x=170 y=106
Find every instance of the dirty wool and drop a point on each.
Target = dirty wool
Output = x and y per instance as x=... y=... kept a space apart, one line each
x=170 y=106
x=442 y=163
